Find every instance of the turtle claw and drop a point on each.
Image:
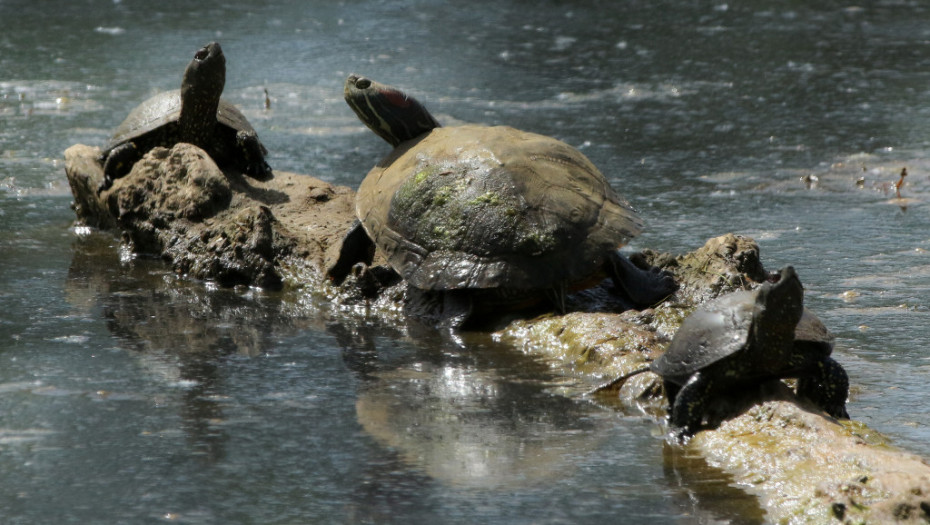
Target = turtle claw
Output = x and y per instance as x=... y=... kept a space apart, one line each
x=556 y=295
x=456 y=309
x=371 y=281
x=259 y=171
x=828 y=388
x=117 y=163
x=356 y=247
x=104 y=186
x=254 y=154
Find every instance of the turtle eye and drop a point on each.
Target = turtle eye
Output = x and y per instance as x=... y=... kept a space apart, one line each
x=362 y=83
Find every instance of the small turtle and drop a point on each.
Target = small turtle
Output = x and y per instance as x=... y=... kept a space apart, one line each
x=488 y=215
x=194 y=114
x=741 y=339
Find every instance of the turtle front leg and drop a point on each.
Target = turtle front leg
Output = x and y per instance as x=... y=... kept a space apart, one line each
x=643 y=287
x=827 y=387
x=448 y=310
x=671 y=392
x=254 y=154
x=690 y=402
x=457 y=307
x=118 y=162
x=556 y=295
x=357 y=247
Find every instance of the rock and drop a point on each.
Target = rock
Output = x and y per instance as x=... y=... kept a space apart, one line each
x=84 y=176
x=181 y=183
x=802 y=465
x=809 y=468
x=210 y=225
x=724 y=264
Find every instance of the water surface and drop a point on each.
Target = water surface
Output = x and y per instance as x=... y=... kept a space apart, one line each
x=132 y=395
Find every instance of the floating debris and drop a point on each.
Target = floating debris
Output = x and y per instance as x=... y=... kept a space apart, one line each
x=810 y=180
x=897 y=186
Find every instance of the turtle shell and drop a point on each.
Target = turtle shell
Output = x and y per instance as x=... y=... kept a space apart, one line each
x=715 y=331
x=813 y=335
x=477 y=207
x=164 y=109
x=759 y=320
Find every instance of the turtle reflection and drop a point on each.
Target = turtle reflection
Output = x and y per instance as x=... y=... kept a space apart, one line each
x=162 y=320
x=467 y=426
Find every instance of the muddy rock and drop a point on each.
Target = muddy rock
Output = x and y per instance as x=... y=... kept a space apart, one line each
x=807 y=468
x=176 y=204
x=724 y=264
x=803 y=466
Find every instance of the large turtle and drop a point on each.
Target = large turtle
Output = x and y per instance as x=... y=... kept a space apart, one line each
x=741 y=339
x=487 y=215
x=194 y=114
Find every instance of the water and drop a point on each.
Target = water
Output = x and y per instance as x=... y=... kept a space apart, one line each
x=130 y=395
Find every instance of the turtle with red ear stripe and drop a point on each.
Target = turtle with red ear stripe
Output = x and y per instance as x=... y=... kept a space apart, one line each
x=487 y=217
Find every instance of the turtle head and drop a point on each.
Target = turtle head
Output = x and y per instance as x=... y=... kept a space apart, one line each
x=778 y=309
x=202 y=86
x=206 y=74
x=392 y=114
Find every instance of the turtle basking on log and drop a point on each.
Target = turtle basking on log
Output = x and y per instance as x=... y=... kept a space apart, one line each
x=742 y=339
x=194 y=114
x=487 y=216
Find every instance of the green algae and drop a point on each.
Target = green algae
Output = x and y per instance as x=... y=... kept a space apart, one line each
x=489 y=198
x=461 y=209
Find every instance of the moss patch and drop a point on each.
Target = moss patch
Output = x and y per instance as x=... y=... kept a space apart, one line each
x=462 y=207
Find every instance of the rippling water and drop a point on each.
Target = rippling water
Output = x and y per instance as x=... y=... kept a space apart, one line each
x=128 y=394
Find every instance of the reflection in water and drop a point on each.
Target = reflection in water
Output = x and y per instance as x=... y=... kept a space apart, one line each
x=701 y=146
x=470 y=427
x=708 y=492
x=179 y=329
x=464 y=411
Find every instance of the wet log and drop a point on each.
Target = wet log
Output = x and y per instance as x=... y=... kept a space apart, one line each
x=803 y=465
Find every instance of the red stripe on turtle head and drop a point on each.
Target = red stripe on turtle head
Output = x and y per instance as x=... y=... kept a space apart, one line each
x=395 y=98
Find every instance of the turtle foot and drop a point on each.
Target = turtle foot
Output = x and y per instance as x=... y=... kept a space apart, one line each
x=828 y=388
x=117 y=163
x=259 y=171
x=448 y=310
x=644 y=287
x=105 y=185
x=253 y=155
x=356 y=247
x=371 y=281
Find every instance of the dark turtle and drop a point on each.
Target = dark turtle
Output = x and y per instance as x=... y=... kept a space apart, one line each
x=194 y=114
x=744 y=338
x=488 y=215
